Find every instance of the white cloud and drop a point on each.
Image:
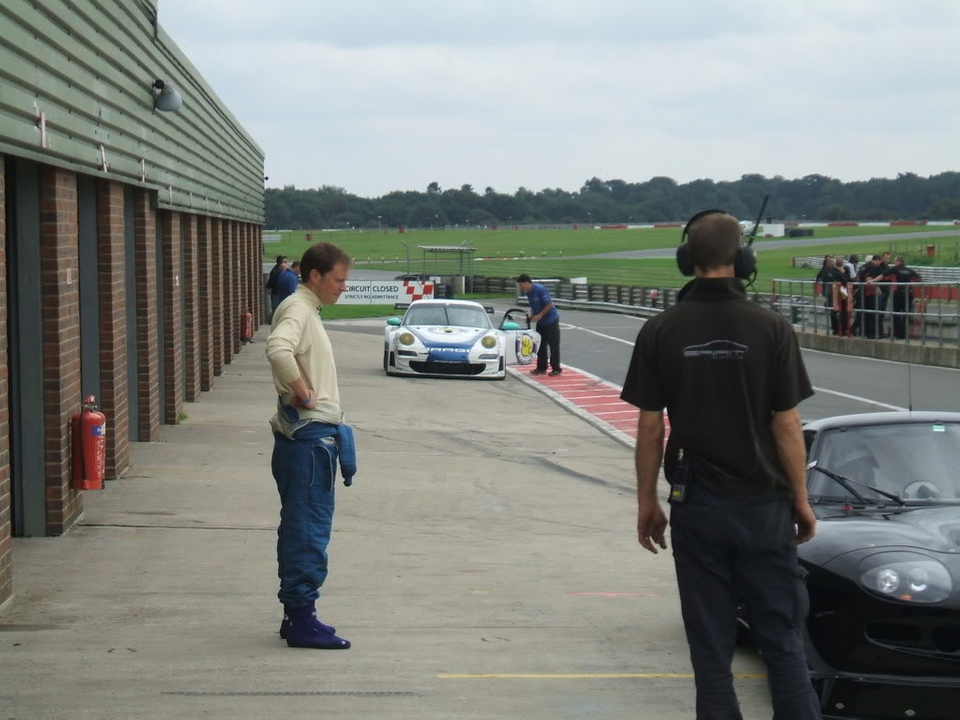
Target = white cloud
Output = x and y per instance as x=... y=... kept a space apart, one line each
x=380 y=96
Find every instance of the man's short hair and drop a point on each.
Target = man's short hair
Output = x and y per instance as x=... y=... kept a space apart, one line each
x=280 y=259
x=876 y=257
x=322 y=257
x=714 y=240
x=898 y=258
x=523 y=278
x=295 y=264
x=854 y=259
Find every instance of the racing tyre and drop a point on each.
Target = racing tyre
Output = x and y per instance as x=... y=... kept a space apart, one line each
x=386 y=359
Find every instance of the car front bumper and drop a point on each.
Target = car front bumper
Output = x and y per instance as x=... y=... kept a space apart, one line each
x=879 y=697
x=472 y=367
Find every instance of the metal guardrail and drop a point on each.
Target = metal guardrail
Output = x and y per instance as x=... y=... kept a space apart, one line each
x=929 y=273
x=923 y=313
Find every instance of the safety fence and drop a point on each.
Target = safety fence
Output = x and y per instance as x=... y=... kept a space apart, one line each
x=621 y=298
x=923 y=313
x=929 y=273
x=926 y=313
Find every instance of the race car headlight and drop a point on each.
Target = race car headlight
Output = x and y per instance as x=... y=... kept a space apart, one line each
x=909 y=577
x=489 y=341
x=406 y=338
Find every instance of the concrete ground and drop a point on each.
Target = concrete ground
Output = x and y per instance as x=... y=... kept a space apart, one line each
x=484 y=565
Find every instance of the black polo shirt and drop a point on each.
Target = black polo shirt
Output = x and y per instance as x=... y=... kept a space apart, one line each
x=721 y=365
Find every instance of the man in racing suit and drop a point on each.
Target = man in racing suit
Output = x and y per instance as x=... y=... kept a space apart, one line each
x=309 y=437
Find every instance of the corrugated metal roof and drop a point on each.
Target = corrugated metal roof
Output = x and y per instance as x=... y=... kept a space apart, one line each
x=150 y=7
x=86 y=67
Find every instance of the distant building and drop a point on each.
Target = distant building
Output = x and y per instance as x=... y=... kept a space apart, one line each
x=130 y=243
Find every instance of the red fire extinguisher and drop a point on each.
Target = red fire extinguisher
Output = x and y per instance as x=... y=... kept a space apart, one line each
x=89 y=446
x=248 y=326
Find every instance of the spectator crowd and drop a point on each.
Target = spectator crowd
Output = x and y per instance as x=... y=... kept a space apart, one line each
x=857 y=295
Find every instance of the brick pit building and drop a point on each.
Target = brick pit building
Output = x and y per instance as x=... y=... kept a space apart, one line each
x=130 y=244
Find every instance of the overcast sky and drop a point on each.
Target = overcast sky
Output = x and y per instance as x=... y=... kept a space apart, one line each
x=379 y=95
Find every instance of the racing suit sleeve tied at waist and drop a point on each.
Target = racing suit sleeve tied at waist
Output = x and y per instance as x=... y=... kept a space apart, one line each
x=347 y=447
x=342 y=435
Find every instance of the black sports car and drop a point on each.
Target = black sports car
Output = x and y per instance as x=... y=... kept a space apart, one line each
x=883 y=632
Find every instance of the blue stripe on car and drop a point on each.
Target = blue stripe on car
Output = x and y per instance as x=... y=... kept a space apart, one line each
x=429 y=344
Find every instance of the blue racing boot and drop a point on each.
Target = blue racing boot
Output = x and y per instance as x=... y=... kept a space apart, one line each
x=303 y=630
x=285 y=624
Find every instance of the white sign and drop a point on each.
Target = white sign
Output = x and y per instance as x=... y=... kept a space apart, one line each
x=386 y=292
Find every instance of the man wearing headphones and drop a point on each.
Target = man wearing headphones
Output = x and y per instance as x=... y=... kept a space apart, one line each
x=730 y=375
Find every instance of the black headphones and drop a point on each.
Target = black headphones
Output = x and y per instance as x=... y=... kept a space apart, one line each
x=744 y=265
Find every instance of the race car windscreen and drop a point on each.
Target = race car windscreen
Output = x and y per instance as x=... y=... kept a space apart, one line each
x=448 y=315
x=916 y=461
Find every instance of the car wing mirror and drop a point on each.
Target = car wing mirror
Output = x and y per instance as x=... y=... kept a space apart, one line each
x=510 y=325
x=394 y=321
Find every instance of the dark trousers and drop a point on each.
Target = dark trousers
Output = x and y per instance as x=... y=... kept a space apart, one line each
x=727 y=550
x=870 y=323
x=305 y=471
x=902 y=303
x=273 y=306
x=549 y=340
x=883 y=298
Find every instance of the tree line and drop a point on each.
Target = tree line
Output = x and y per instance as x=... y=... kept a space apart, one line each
x=810 y=198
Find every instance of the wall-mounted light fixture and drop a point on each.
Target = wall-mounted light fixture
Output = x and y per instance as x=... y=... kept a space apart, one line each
x=165 y=96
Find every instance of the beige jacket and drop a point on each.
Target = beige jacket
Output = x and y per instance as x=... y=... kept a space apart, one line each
x=298 y=346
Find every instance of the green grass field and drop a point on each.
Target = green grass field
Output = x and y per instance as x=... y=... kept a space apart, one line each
x=351 y=312
x=386 y=246
x=383 y=251
x=773 y=263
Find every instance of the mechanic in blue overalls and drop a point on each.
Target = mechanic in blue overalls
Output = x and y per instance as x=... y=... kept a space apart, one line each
x=309 y=436
x=545 y=314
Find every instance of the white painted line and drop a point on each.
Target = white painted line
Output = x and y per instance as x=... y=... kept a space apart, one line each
x=828 y=391
x=592 y=397
x=865 y=401
x=599 y=334
x=879 y=360
x=599 y=380
x=618 y=412
x=593 y=405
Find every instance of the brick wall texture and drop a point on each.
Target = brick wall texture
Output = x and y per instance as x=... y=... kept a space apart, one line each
x=191 y=308
x=205 y=292
x=111 y=268
x=218 y=276
x=205 y=268
x=6 y=579
x=59 y=253
x=229 y=290
x=147 y=300
x=172 y=327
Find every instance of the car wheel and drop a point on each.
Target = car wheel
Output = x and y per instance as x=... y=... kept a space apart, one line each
x=386 y=360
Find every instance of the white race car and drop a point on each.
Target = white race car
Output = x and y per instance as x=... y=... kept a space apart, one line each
x=456 y=338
